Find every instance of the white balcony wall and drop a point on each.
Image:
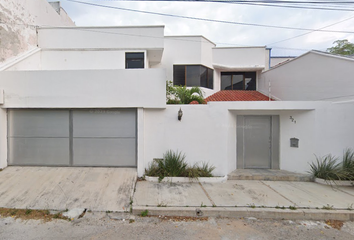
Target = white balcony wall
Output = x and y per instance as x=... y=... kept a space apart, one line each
x=240 y=57
x=71 y=60
x=84 y=88
x=140 y=37
x=331 y=78
x=29 y=61
x=185 y=50
x=74 y=60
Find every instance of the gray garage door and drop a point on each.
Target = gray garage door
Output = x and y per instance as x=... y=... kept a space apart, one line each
x=72 y=137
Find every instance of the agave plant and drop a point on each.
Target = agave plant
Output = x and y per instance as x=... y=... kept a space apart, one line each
x=173 y=164
x=348 y=163
x=327 y=168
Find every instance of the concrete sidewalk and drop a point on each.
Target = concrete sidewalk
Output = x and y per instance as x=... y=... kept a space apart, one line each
x=270 y=199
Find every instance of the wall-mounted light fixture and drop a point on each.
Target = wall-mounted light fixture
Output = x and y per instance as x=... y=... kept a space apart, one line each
x=180 y=114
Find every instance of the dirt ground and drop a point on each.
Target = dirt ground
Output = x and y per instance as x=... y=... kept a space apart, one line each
x=122 y=226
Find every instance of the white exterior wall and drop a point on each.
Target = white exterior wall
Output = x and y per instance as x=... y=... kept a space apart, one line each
x=28 y=61
x=330 y=78
x=84 y=88
x=181 y=50
x=208 y=132
x=140 y=37
x=246 y=57
x=334 y=128
x=71 y=60
x=18 y=35
x=74 y=60
x=199 y=135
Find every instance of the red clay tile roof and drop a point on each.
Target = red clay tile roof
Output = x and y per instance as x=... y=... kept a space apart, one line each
x=237 y=95
x=194 y=102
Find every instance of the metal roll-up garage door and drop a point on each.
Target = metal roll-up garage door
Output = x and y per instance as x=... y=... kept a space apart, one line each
x=38 y=137
x=104 y=137
x=72 y=137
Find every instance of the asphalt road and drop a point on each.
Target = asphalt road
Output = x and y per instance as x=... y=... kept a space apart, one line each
x=118 y=226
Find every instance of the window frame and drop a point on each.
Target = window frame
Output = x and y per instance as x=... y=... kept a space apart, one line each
x=209 y=75
x=244 y=76
x=142 y=59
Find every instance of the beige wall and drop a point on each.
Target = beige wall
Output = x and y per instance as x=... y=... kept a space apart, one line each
x=18 y=21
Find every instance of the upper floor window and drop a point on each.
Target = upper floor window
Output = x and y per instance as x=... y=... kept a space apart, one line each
x=134 y=60
x=193 y=76
x=238 y=80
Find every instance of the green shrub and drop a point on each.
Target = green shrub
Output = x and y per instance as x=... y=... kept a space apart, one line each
x=348 y=164
x=205 y=170
x=173 y=164
x=326 y=168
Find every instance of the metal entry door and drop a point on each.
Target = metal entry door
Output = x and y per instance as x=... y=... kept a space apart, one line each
x=257 y=141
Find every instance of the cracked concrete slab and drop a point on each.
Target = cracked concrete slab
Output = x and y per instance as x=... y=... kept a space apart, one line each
x=169 y=194
x=244 y=193
x=310 y=194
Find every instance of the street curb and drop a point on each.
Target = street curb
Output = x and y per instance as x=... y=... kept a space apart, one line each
x=235 y=212
x=188 y=180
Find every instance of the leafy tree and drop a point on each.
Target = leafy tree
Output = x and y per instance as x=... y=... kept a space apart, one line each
x=183 y=95
x=342 y=47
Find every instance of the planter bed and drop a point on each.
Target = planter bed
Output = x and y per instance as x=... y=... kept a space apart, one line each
x=335 y=182
x=188 y=180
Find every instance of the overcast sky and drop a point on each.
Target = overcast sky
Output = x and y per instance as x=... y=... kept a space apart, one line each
x=221 y=33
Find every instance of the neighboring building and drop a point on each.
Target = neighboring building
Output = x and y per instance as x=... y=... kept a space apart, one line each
x=278 y=60
x=95 y=96
x=18 y=22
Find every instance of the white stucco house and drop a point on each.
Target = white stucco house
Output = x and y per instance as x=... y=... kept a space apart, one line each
x=95 y=96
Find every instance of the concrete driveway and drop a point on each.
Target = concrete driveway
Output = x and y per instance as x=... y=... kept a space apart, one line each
x=60 y=188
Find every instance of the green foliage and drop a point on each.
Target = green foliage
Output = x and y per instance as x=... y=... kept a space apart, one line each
x=348 y=164
x=28 y=211
x=342 y=47
x=326 y=168
x=292 y=208
x=144 y=213
x=173 y=164
x=182 y=95
x=328 y=207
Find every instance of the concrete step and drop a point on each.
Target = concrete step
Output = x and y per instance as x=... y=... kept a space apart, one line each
x=268 y=175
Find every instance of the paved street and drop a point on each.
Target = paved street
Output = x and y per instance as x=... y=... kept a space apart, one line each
x=102 y=226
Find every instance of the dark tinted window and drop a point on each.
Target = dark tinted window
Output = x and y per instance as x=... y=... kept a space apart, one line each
x=238 y=81
x=134 y=60
x=226 y=83
x=179 y=74
x=210 y=78
x=250 y=80
x=193 y=75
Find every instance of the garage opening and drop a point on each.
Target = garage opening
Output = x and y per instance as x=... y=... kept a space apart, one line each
x=84 y=137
